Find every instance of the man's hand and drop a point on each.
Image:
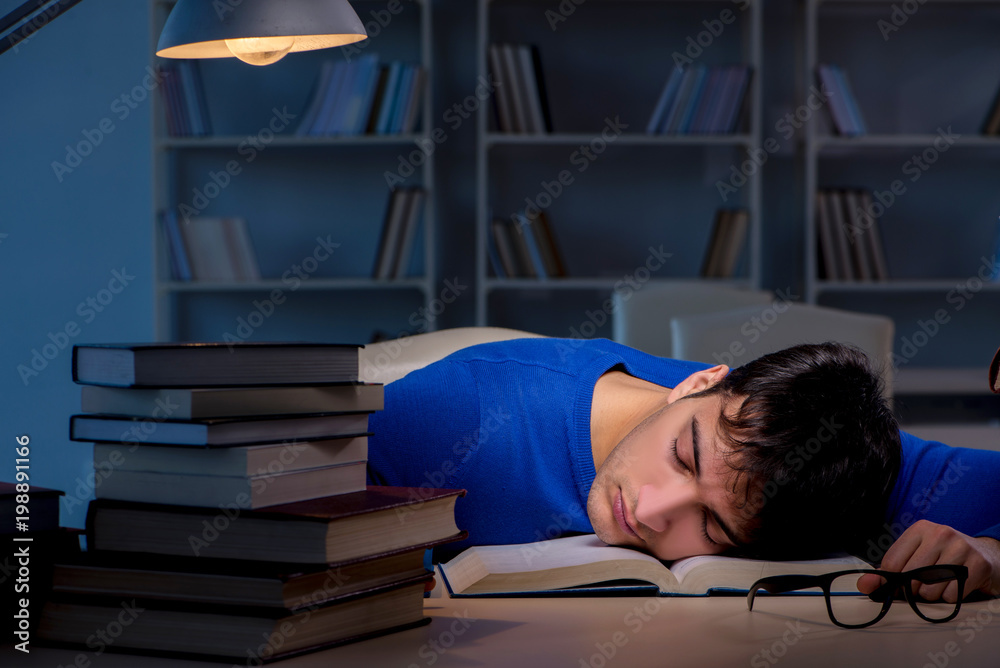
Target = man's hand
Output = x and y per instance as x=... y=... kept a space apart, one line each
x=926 y=544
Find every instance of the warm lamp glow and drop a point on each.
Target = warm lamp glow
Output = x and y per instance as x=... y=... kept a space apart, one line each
x=260 y=50
x=259 y=32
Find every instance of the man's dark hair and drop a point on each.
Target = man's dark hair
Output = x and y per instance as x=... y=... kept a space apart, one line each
x=815 y=448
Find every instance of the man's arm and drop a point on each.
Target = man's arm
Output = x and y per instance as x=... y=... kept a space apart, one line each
x=948 y=501
x=927 y=543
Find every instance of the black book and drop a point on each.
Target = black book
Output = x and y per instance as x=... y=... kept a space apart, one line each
x=214 y=364
x=235 y=633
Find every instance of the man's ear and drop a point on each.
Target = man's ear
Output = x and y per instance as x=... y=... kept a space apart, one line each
x=698 y=381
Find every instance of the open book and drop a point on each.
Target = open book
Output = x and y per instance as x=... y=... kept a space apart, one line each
x=564 y=565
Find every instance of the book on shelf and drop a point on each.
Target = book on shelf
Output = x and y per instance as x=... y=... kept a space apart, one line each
x=584 y=565
x=240 y=491
x=843 y=105
x=526 y=248
x=849 y=238
x=232 y=581
x=507 y=254
x=234 y=633
x=521 y=101
x=399 y=232
x=218 y=402
x=701 y=100
x=43 y=506
x=991 y=125
x=206 y=248
x=185 y=105
x=364 y=96
x=238 y=460
x=214 y=364
x=726 y=243
x=317 y=531
x=216 y=432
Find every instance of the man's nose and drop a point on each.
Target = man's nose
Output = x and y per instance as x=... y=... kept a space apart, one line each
x=659 y=504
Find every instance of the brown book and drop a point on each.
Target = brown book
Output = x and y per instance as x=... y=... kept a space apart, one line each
x=716 y=244
x=236 y=633
x=735 y=240
x=547 y=246
x=233 y=581
x=317 y=531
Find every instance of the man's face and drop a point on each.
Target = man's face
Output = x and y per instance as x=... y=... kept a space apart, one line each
x=665 y=488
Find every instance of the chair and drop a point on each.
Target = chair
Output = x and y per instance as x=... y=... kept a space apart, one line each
x=737 y=336
x=386 y=361
x=641 y=319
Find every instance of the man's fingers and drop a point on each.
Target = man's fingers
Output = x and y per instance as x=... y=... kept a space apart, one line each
x=869 y=582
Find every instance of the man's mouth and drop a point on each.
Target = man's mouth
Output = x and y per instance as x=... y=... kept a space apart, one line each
x=618 y=509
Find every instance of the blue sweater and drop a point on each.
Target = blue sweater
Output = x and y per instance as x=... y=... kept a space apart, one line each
x=510 y=423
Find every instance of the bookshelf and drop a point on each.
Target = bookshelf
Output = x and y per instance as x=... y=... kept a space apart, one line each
x=314 y=204
x=614 y=220
x=925 y=88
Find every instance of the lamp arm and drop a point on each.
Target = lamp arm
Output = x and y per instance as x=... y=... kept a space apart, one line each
x=49 y=9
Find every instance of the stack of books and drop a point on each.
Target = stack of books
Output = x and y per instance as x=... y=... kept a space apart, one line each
x=231 y=517
x=844 y=109
x=728 y=238
x=524 y=246
x=520 y=101
x=184 y=99
x=399 y=233
x=364 y=97
x=701 y=100
x=206 y=248
x=850 y=242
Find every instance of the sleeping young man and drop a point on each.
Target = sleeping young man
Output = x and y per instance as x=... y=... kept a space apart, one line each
x=795 y=454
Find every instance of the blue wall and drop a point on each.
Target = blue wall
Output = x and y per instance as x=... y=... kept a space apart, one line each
x=67 y=236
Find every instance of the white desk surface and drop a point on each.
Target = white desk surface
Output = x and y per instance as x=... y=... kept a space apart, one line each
x=634 y=633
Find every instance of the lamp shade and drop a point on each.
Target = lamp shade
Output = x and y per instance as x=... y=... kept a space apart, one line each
x=257 y=31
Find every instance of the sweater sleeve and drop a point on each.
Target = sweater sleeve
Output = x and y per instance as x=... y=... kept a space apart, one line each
x=958 y=487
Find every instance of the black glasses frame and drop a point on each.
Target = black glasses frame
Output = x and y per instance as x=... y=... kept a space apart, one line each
x=780 y=584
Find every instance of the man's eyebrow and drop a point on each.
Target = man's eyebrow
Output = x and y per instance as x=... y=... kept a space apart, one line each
x=696 y=453
x=695 y=446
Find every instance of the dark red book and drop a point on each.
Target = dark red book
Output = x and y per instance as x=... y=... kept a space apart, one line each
x=318 y=531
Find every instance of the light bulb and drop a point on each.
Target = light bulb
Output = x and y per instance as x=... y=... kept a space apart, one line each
x=260 y=50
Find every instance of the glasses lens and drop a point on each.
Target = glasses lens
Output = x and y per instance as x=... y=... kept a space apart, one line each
x=934 y=610
x=849 y=606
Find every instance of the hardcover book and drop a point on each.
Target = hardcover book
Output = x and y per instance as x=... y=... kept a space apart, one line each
x=584 y=564
x=237 y=460
x=214 y=364
x=195 y=403
x=216 y=432
x=319 y=531
x=235 y=632
x=232 y=581
x=253 y=491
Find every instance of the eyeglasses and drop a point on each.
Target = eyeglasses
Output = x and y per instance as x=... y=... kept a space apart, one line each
x=858 y=611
